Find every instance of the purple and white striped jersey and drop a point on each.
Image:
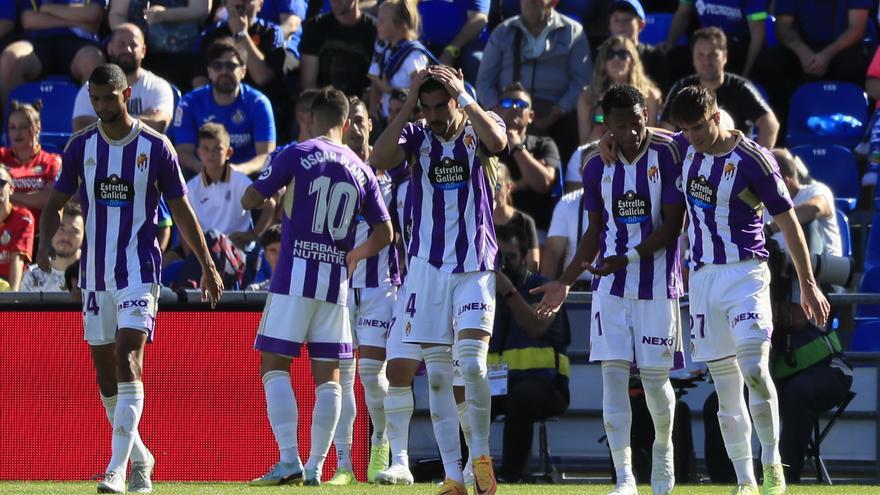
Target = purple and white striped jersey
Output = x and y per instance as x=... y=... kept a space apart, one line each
x=725 y=194
x=328 y=186
x=453 y=183
x=119 y=184
x=630 y=196
x=382 y=269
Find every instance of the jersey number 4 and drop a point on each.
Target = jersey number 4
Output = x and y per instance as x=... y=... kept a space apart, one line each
x=92 y=304
x=334 y=206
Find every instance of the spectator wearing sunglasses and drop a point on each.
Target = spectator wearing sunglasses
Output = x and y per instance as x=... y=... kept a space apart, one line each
x=627 y=18
x=244 y=111
x=533 y=160
x=16 y=235
x=735 y=94
x=617 y=62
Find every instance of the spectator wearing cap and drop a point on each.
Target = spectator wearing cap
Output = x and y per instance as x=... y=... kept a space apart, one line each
x=61 y=38
x=16 y=235
x=244 y=111
x=735 y=94
x=824 y=39
x=549 y=54
x=627 y=18
x=151 y=101
x=744 y=22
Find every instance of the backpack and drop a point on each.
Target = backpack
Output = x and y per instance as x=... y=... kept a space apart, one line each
x=229 y=260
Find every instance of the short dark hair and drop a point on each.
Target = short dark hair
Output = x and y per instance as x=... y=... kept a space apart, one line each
x=621 y=96
x=222 y=46
x=430 y=85
x=354 y=101
x=71 y=275
x=508 y=233
x=72 y=208
x=110 y=74
x=214 y=130
x=304 y=102
x=271 y=235
x=712 y=34
x=330 y=107
x=516 y=87
x=691 y=104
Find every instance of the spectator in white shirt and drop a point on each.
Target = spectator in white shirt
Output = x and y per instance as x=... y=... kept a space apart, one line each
x=152 y=99
x=574 y=169
x=568 y=224
x=215 y=193
x=66 y=244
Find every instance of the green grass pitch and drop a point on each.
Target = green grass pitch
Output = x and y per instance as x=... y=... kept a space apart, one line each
x=34 y=488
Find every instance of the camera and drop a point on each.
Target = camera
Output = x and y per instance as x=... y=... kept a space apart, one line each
x=828 y=269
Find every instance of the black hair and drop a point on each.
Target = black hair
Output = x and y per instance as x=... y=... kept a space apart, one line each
x=516 y=87
x=622 y=96
x=271 y=235
x=330 y=107
x=73 y=208
x=304 y=102
x=110 y=74
x=71 y=275
x=224 y=45
x=354 y=101
x=691 y=104
x=430 y=85
x=505 y=233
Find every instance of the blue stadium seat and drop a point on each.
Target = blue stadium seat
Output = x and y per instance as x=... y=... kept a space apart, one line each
x=440 y=33
x=870 y=284
x=872 y=251
x=845 y=235
x=836 y=167
x=825 y=99
x=58 y=95
x=657 y=28
x=866 y=337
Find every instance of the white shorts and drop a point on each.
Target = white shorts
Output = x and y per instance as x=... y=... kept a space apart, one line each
x=370 y=311
x=438 y=305
x=288 y=321
x=105 y=311
x=729 y=305
x=646 y=332
x=396 y=348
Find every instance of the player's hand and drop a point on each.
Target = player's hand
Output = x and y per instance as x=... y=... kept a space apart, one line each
x=607 y=148
x=415 y=85
x=554 y=295
x=452 y=79
x=43 y=258
x=607 y=266
x=814 y=304
x=211 y=286
x=351 y=260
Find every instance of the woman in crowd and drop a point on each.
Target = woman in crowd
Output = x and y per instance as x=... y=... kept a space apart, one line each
x=617 y=62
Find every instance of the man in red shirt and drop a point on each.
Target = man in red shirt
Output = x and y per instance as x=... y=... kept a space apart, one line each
x=16 y=234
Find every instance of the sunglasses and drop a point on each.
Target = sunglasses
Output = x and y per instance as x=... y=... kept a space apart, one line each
x=3 y=183
x=621 y=54
x=219 y=65
x=514 y=103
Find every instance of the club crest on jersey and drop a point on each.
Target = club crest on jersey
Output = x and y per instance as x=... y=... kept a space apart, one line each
x=654 y=174
x=469 y=142
x=90 y=162
x=729 y=170
x=408 y=328
x=700 y=192
x=38 y=169
x=632 y=208
x=142 y=162
x=449 y=174
x=238 y=117
x=114 y=192
x=5 y=237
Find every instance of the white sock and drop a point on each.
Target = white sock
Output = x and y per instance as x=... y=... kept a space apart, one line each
x=372 y=373
x=617 y=415
x=129 y=405
x=438 y=361
x=465 y=421
x=733 y=418
x=328 y=398
x=139 y=451
x=283 y=413
x=398 y=412
x=472 y=363
x=661 y=404
x=344 y=434
x=753 y=360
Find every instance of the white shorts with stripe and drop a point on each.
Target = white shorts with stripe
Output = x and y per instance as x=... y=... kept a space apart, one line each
x=370 y=310
x=396 y=348
x=289 y=321
x=106 y=311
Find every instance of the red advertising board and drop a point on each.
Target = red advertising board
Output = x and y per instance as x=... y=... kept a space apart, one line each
x=204 y=415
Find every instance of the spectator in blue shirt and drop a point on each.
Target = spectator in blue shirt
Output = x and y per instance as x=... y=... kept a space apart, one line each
x=743 y=21
x=289 y=14
x=244 y=111
x=62 y=38
x=455 y=36
x=825 y=38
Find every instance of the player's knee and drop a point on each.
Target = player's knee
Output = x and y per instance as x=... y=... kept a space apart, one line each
x=654 y=380
x=756 y=373
x=472 y=368
x=439 y=380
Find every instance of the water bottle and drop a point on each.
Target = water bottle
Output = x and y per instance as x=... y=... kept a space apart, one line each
x=836 y=124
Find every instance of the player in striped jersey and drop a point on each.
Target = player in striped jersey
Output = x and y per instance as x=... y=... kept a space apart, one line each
x=119 y=167
x=450 y=288
x=636 y=212
x=372 y=293
x=329 y=186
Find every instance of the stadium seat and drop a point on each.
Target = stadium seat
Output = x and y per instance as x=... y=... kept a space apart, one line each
x=440 y=33
x=871 y=285
x=845 y=234
x=824 y=99
x=657 y=28
x=58 y=95
x=866 y=337
x=836 y=167
x=872 y=250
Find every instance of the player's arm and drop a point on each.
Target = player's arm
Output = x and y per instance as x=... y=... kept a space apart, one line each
x=253 y=199
x=812 y=300
x=382 y=235
x=492 y=136
x=50 y=219
x=806 y=212
x=525 y=315
x=191 y=232
x=388 y=153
